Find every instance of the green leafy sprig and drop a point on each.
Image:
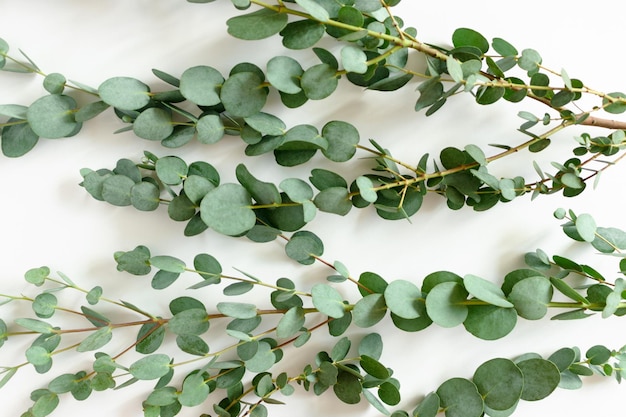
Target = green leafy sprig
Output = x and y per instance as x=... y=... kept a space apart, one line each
x=243 y=369
x=262 y=210
x=234 y=104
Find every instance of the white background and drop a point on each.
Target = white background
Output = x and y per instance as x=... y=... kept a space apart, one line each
x=47 y=219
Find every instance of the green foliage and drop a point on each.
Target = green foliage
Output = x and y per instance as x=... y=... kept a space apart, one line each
x=373 y=55
x=486 y=311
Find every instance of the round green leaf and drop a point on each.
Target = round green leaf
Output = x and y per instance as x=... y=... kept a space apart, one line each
x=348 y=388
x=541 y=377
x=317 y=11
x=563 y=358
x=226 y=209
x=45 y=404
x=153 y=124
x=369 y=310
x=402 y=298
x=63 y=383
x=135 y=261
x=500 y=382
x=304 y=247
x=469 y=37
x=196 y=187
x=37 y=276
x=503 y=47
x=210 y=129
x=162 y=397
x=327 y=300
x=193 y=321
x=490 y=322
x=168 y=263
x=342 y=139
x=150 y=367
x=17 y=139
x=54 y=83
x=185 y=303
x=302 y=34
x=489 y=95
x=486 y=291
x=171 y=169
x=443 y=304
x=429 y=407
x=90 y=111
x=586 y=227
x=374 y=368
x=145 y=196
x=263 y=360
x=371 y=345
x=598 y=355
x=124 y=93
x=319 y=81
x=616 y=107
x=44 y=305
x=284 y=74
x=531 y=296
x=259 y=24
x=96 y=340
x=389 y=393
x=149 y=338
x=52 y=116
x=460 y=398
x=297 y=190
x=530 y=60
x=237 y=310
x=366 y=191
x=163 y=279
x=38 y=356
x=195 y=391
x=181 y=208
x=333 y=200
x=116 y=190
x=201 y=85
x=243 y=95
x=192 y=344
x=291 y=322
x=266 y=124
x=354 y=59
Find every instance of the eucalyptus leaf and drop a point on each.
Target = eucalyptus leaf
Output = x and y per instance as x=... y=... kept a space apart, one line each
x=444 y=304
x=369 y=310
x=290 y=323
x=531 y=296
x=201 y=85
x=17 y=139
x=124 y=93
x=500 y=382
x=52 y=116
x=227 y=210
x=243 y=95
x=150 y=367
x=460 y=398
x=259 y=24
x=541 y=377
x=328 y=300
x=486 y=291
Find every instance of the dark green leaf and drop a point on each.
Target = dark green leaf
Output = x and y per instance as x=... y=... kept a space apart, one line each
x=469 y=37
x=541 y=377
x=259 y=24
x=460 y=398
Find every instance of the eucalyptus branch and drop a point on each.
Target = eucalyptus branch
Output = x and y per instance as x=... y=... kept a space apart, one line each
x=239 y=379
x=444 y=298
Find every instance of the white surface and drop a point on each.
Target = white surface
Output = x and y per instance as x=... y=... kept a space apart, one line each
x=46 y=219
